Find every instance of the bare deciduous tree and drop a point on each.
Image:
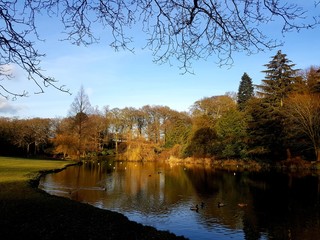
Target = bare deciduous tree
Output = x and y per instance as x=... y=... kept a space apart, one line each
x=79 y=113
x=182 y=30
x=303 y=110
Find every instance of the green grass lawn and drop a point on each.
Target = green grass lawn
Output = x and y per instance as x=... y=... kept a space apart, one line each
x=21 y=169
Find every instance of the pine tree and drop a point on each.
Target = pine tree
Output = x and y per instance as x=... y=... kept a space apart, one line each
x=245 y=91
x=279 y=80
x=266 y=128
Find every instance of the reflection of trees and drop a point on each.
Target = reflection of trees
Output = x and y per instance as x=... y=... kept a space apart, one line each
x=215 y=186
x=287 y=209
x=279 y=205
x=149 y=187
x=201 y=179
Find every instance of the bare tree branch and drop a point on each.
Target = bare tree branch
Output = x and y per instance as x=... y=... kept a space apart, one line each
x=15 y=48
x=186 y=30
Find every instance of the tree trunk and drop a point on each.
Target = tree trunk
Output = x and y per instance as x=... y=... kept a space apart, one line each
x=318 y=154
x=288 y=154
x=28 y=148
x=116 y=143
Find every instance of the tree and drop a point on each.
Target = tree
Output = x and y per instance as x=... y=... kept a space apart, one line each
x=97 y=133
x=178 y=127
x=31 y=134
x=202 y=143
x=8 y=137
x=231 y=134
x=303 y=112
x=313 y=79
x=64 y=140
x=214 y=106
x=153 y=123
x=79 y=111
x=280 y=79
x=245 y=91
x=187 y=30
x=264 y=130
x=204 y=114
x=116 y=125
x=206 y=111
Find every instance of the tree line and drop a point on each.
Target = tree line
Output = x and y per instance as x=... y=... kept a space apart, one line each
x=275 y=120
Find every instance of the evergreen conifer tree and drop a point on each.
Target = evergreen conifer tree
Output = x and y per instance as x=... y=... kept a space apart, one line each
x=245 y=91
x=266 y=128
x=279 y=80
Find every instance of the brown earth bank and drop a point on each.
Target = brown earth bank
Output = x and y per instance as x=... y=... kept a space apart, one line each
x=33 y=214
x=144 y=152
x=293 y=165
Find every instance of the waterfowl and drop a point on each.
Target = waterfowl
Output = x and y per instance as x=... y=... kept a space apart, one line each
x=194 y=208
x=242 y=204
x=220 y=204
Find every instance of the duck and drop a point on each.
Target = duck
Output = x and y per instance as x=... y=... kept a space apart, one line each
x=242 y=204
x=194 y=208
x=220 y=204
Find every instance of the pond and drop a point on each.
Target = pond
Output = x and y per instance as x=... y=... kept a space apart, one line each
x=264 y=205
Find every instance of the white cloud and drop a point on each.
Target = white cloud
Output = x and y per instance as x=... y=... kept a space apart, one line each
x=11 y=72
x=7 y=107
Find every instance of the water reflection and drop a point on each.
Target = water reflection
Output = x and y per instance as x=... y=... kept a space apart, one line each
x=276 y=206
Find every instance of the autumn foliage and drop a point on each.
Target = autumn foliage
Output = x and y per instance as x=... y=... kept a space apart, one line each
x=279 y=121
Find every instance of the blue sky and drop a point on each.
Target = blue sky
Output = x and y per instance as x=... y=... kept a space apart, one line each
x=123 y=79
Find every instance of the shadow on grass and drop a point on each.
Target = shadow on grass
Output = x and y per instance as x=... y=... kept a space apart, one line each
x=27 y=212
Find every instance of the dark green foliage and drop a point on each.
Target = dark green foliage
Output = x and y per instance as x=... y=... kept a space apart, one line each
x=265 y=131
x=178 y=132
x=232 y=136
x=266 y=127
x=279 y=80
x=245 y=91
x=202 y=144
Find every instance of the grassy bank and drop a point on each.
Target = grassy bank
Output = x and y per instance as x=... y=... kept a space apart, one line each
x=27 y=212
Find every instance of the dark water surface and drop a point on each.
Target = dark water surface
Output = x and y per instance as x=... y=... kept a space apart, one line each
x=279 y=206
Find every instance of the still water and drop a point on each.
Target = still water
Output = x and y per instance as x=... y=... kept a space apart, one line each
x=277 y=205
